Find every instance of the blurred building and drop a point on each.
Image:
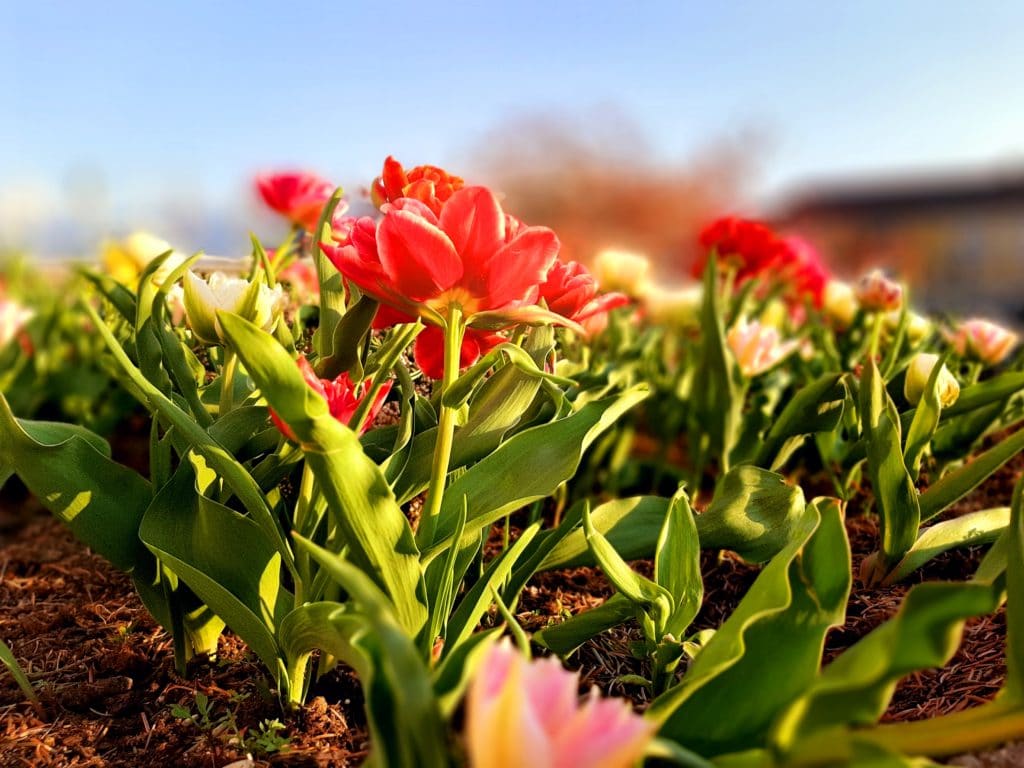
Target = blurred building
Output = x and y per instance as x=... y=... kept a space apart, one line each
x=958 y=239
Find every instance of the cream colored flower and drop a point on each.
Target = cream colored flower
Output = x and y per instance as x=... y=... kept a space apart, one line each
x=13 y=317
x=255 y=301
x=840 y=303
x=877 y=293
x=677 y=307
x=916 y=381
x=623 y=271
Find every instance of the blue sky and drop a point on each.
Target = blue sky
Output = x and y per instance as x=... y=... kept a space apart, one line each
x=170 y=97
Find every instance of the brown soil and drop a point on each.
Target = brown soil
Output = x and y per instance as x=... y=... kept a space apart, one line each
x=105 y=671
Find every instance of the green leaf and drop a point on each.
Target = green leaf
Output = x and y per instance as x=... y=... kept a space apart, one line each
x=69 y=470
x=528 y=466
x=752 y=513
x=403 y=712
x=8 y=660
x=895 y=494
x=924 y=423
x=677 y=565
x=855 y=689
x=224 y=557
x=566 y=636
x=981 y=527
x=769 y=650
x=817 y=407
x=348 y=337
x=958 y=484
x=358 y=496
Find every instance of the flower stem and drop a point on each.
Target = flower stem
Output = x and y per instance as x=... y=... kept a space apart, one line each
x=227 y=382
x=453 y=334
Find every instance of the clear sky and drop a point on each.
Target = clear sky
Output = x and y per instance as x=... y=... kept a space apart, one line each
x=191 y=95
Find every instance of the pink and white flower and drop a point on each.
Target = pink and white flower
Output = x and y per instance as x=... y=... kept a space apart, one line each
x=757 y=347
x=983 y=341
x=523 y=712
x=13 y=317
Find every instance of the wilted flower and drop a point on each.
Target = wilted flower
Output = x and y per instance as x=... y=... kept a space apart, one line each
x=757 y=347
x=877 y=293
x=13 y=317
x=983 y=341
x=674 y=306
x=429 y=184
x=341 y=398
x=255 y=301
x=529 y=713
x=571 y=291
x=299 y=197
x=623 y=271
x=125 y=259
x=473 y=259
x=916 y=381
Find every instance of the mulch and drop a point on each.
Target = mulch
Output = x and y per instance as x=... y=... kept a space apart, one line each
x=111 y=696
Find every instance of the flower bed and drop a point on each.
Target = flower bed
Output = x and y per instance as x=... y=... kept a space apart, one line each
x=370 y=504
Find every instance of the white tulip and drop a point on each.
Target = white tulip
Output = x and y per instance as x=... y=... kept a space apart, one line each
x=255 y=301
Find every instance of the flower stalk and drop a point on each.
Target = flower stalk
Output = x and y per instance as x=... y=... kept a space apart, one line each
x=454 y=331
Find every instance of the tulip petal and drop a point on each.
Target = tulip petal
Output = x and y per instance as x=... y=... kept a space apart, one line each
x=419 y=259
x=474 y=222
x=520 y=265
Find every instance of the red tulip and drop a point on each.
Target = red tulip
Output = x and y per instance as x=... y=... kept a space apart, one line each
x=299 y=197
x=802 y=268
x=571 y=291
x=429 y=184
x=472 y=258
x=341 y=398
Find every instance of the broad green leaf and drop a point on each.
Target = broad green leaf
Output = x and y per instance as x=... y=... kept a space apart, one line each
x=224 y=557
x=454 y=672
x=69 y=470
x=981 y=527
x=958 y=484
x=359 y=498
x=855 y=689
x=769 y=650
x=528 y=466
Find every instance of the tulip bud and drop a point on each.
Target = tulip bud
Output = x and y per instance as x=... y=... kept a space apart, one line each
x=757 y=347
x=255 y=301
x=676 y=307
x=877 y=293
x=622 y=271
x=774 y=314
x=918 y=373
x=983 y=341
x=840 y=303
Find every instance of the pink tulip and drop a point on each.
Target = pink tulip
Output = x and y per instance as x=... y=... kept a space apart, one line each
x=757 y=347
x=299 y=197
x=523 y=713
x=983 y=341
x=877 y=293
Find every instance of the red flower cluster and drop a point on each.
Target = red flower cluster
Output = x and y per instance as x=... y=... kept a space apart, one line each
x=341 y=398
x=441 y=247
x=754 y=250
x=299 y=197
x=429 y=184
